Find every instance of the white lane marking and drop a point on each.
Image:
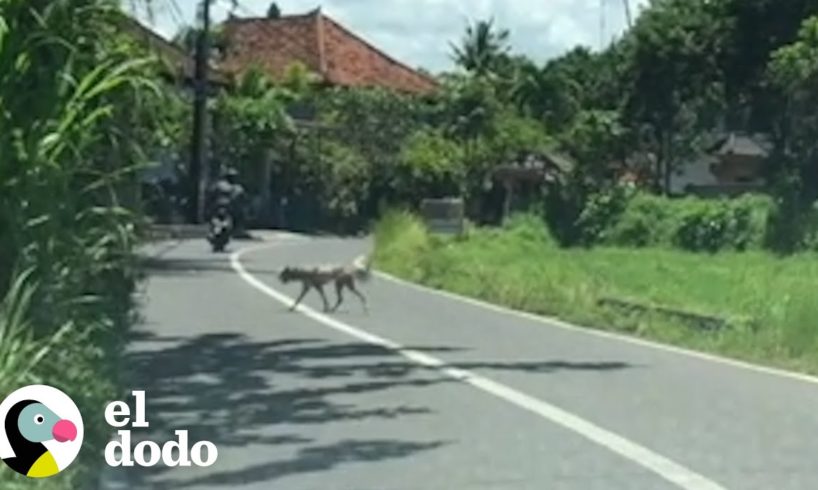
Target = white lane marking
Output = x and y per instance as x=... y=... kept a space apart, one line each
x=671 y=471
x=595 y=332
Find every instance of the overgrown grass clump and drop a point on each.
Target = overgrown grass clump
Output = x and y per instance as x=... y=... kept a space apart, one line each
x=768 y=303
x=71 y=91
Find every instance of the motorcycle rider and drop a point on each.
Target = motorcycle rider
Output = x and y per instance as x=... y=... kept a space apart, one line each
x=228 y=193
x=222 y=197
x=221 y=227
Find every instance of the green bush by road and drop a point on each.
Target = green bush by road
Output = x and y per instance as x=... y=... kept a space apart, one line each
x=629 y=218
x=769 y=303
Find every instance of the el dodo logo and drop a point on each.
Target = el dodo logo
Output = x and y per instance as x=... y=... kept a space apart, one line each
x=41 y=432
x=148 y=453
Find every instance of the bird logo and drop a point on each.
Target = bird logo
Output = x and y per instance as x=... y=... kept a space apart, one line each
x=41 y=431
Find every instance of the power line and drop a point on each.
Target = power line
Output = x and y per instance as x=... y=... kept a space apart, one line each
x=177 y=14
x=628 y=16
x=247 y=10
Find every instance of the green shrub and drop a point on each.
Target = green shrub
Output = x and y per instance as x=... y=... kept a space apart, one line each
x=644 y=222
x=401 y=240
x=601 y=213
x=704 y=226
x=528 y=227
x=635 y=219
x=714 y=225
x=430 y=165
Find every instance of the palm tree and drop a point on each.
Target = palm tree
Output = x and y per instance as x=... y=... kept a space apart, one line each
x=546 y=94
x=481 y=48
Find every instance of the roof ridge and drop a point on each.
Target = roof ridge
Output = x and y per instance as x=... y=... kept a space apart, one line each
x=261 y=18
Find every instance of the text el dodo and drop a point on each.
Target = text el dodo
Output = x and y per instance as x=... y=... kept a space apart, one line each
x=148 y=453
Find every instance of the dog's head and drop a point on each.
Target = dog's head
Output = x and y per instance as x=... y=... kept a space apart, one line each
x=286 y=275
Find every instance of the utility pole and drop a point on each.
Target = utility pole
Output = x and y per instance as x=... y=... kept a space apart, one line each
x=199 y=162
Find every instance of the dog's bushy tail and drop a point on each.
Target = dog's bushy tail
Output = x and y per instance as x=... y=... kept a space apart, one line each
x=363 y=268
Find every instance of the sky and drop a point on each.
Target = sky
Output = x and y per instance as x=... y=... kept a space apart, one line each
x=420 y=32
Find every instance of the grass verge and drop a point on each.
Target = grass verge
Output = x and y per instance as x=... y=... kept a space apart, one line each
x=769 y=303
x=80 y=357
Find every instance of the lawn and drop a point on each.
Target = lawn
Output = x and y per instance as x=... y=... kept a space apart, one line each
x=768 y=303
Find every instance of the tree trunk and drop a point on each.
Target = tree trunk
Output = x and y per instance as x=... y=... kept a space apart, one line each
x=509 y=197
x=667 y=160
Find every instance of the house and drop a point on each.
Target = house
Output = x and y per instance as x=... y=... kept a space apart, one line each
x=337 y=56
x=518 y=183
x=733 y=164
x=178 y=66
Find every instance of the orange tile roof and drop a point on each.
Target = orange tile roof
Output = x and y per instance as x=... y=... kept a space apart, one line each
x=324 y=46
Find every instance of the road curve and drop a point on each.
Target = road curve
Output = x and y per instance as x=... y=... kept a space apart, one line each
x=428 y=392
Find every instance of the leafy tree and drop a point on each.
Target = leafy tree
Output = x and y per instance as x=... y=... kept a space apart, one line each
x=250 y=124
x=273 y=11
x=547 y=95
x=793 y=71
x=595 y=140
x=677 y=86
x=299 y=80
x=470 y=108
x=514 y=136
x=754 y=31
x=375 y=123
x=430 y=165
x=343 y=176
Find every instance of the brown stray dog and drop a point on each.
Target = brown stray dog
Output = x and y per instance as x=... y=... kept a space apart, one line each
x=318 y=277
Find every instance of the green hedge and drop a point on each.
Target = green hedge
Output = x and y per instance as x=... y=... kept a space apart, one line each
x=636 y=219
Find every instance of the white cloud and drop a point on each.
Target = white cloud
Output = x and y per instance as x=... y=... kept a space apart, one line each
x=419 y=32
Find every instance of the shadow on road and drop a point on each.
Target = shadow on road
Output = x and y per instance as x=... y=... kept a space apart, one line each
x=237 y=393
x=163 y=266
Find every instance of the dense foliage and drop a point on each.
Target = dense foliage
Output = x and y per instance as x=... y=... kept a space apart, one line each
x=624 y=217
x=78 y=103
x=645 y=107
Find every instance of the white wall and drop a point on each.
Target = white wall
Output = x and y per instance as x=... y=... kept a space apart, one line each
x=696 y=172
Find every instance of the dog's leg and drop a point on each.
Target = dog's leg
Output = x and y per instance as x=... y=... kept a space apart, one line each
x=360 y=296
x=304 y=289
x=323 y=297
x=339 y=292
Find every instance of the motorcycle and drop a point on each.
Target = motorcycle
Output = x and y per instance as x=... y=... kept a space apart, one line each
x=221 y=228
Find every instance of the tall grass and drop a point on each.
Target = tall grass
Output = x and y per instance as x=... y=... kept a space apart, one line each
x=69 y=92
x=769 y=302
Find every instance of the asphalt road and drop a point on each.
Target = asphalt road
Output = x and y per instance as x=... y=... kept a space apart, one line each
x=430 y=392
